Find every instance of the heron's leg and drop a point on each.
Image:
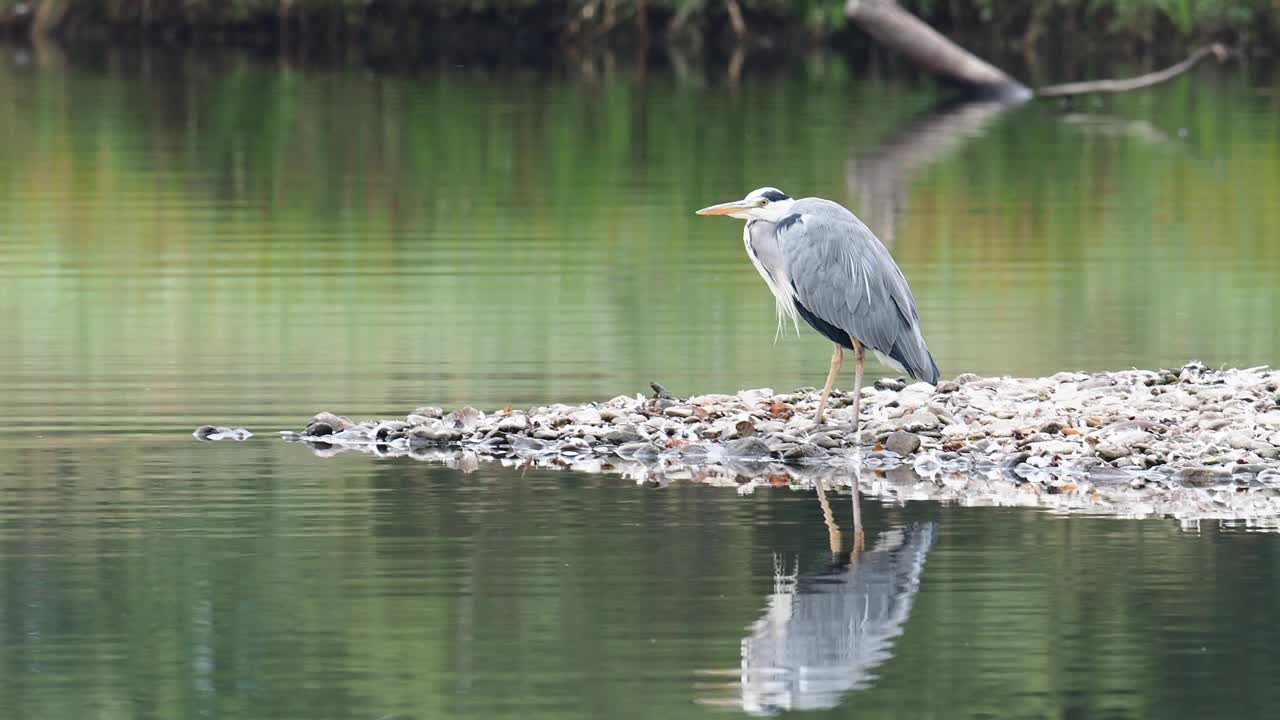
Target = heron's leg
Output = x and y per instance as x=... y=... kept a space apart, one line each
x=859 y=540
x=828 y=518
x=837 y=357
x=858 y=355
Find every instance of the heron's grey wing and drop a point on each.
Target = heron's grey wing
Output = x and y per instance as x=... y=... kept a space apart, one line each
x=844 y=279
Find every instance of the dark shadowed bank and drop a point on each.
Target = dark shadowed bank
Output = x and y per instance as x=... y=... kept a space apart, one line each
x=528 y=28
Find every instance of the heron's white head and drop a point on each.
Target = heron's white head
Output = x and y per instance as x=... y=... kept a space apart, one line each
x=767 y=203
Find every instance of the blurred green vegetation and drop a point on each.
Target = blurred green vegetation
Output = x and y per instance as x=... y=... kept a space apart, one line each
x=995 y=23
x=189 y=239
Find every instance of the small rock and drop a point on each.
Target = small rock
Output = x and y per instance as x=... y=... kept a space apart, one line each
x=623 y=436
x=806 y=452
x=210 y=433
x=1248 y=469
x=1201 y=476
x=747 y=448
x=692 y=452
x=1055 y=447
x=586 y=416
x=353 y=434
x=465 y=418
x=516 y=422
x=678 y=411
x=430 y=412
x=825 y=441
x=894 y=384
x=390 y=430
x=1240 y=440
x=1110 y=452
x=546 y=433
x=903 y=443
x=638 y=451
x=204 y=431
x=527 y=445
x=326 y=423
x=918 y=420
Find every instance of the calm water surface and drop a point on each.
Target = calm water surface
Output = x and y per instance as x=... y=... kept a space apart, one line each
x=246 y=243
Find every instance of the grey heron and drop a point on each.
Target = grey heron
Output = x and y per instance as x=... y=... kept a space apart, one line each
x=824 y=265
x=823 y=635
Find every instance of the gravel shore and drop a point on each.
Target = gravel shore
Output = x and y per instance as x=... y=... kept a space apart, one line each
x=1191 y=442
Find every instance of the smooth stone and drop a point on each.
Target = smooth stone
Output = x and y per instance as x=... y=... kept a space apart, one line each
x=1055 y=447
x=902 y=443
x=692 y=451
x=678 y=411
x=638 y=451
x=390 y=429
x=204 y=431
x=355 y=434
x=894 y=384
x=514 y=423
x=523 y=444
x=1110 y=452
x=431 y=412
x=1248 y=469
x=623 y=436
x=326 y=423
x=210 y=433
x=747 y=448
x=827 y=441
x=1240 y=440
x=918 y=420
x=546 y=434
x=1201 y=476
x=586 y=416
x=807 y=452
x=465 y=418
x=433 y=435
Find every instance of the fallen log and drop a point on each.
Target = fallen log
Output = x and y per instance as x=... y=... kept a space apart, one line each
x=896 y=28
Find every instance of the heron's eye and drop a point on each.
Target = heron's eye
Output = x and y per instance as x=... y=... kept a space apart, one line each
x=762 y=202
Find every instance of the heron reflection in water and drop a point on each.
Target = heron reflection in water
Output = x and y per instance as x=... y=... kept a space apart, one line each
x=823 y=635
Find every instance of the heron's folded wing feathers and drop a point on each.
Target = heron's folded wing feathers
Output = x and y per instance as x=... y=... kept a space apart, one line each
x=841 y=273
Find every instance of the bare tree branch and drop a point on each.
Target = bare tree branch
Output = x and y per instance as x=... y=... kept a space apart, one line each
x=1122 y=85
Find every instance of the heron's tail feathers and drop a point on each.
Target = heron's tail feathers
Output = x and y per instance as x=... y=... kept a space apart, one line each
x=912 y=356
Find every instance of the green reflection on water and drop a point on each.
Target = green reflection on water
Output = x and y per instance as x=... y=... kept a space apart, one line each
x=231 y=241
x=175 y=579
x=234 y=241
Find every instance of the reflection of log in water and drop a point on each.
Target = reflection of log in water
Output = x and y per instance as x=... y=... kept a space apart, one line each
x=879 y=178
x=823 y=635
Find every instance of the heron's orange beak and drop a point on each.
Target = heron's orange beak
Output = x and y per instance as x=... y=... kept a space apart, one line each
x=725 y=208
